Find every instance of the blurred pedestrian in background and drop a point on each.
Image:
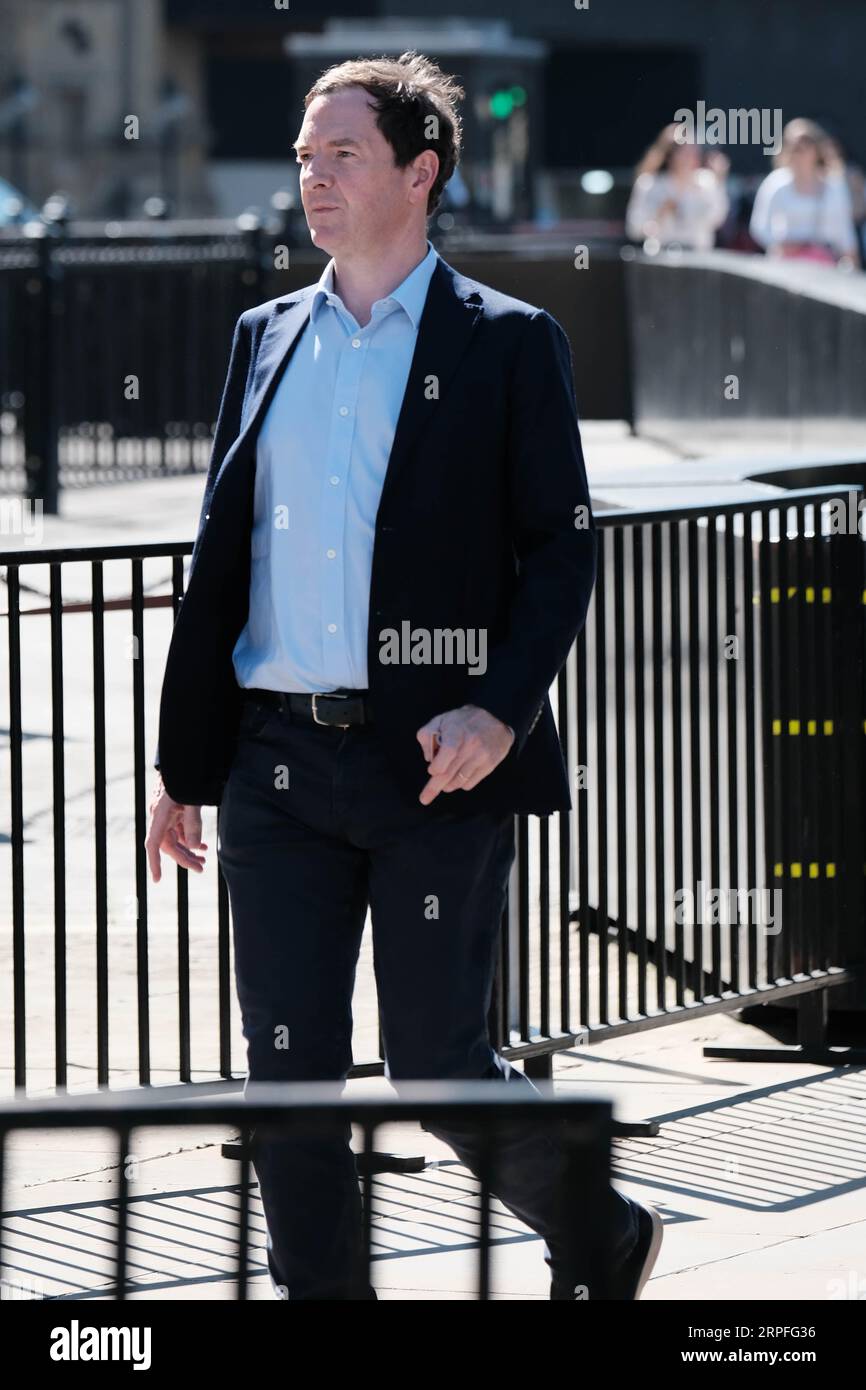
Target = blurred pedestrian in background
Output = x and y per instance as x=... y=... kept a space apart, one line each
x=839 y=162
x=803 y=209
x=677 y=199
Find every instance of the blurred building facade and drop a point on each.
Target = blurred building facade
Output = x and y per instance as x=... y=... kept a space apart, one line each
x=217 y=85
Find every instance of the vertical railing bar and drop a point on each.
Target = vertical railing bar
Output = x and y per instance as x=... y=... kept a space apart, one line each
x=242 y=1282
x=544 y=922
x=141 y=904
x=677 y=736
x=100 y=821
x=712 y=611
x=829 y=762
x=224 y=977
x=787 y=670
x=639 y=667
x=768 y=684
x=485 y=1165
x=365 y=1271
x=600 y=785
x=124 y=1135
x=731 y=780
x=581 y=805
x=184 y=1017
x=659 y=822
x=16 y=790
x=805 y=779
x=563 y=830
x=695 y=763
x=622 y=858
x=523 y=925
x=816 y=767
x=59 y=823
x=503 y=1004
x=750 y=595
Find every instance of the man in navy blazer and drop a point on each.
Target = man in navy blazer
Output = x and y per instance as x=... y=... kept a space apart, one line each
x=395 y=553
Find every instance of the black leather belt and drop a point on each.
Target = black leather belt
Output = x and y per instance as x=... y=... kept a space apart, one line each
x=338 y=709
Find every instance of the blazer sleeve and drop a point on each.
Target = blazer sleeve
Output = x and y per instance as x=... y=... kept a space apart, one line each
x=554 y=534
x=228 y=428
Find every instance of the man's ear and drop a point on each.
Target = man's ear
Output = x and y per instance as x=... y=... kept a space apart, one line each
x=425 y=167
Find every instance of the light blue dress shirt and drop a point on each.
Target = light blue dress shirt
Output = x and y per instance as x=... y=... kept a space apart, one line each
x=321 y=457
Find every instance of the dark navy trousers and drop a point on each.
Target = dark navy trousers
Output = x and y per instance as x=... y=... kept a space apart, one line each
x=303 y=862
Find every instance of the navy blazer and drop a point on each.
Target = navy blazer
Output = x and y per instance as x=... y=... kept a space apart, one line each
x=484 y=522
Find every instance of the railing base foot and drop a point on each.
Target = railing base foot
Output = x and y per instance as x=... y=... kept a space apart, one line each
x=817 y=1056
x=380 y=1162
x=634 y=1129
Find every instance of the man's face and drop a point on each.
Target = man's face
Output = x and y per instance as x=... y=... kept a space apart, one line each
x=355 y=198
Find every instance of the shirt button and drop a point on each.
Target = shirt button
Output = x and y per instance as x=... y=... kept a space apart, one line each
x=356 y=342
x=344 y=410
x=332 y=627
x=331 y=554
x=334 y=479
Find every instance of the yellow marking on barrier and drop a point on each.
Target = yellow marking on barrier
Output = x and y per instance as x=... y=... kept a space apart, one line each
x=795 y=726
x=796 y=870
x=809 y=593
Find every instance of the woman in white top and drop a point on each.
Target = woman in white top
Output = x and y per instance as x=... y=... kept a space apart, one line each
x=804 y=208
x=675 y=200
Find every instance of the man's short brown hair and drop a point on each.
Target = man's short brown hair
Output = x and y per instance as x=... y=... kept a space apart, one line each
x=407 y=92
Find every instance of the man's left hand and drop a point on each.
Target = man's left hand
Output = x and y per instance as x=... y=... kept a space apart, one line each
x=462 y=747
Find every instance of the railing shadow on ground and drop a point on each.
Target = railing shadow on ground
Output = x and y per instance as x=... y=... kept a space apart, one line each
x=108 y=1238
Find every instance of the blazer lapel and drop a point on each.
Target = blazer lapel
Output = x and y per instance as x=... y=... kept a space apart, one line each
x=279 y=339
x=450 y=313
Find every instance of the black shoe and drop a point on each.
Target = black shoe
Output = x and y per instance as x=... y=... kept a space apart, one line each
x=635 y=1269
x=638 y=1267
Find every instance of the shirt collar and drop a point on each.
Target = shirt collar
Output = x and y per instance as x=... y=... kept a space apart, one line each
x=411 y=294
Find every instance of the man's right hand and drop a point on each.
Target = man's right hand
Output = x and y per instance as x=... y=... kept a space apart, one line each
x=175 y=830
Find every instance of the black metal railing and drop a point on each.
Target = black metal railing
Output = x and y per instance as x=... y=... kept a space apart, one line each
x=63 y=1252
x=113 y=349
x=712 y=716
x=114 y=354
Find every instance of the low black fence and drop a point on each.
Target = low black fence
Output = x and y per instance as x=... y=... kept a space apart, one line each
x=127 y=1241
x=712 y=714
x=113 y=350
x=113 y=355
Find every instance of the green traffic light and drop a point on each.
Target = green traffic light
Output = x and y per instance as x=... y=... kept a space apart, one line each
x=518 y=96
x=501 y=105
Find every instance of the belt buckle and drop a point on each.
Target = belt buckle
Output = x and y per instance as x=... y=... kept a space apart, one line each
x=324 y=723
